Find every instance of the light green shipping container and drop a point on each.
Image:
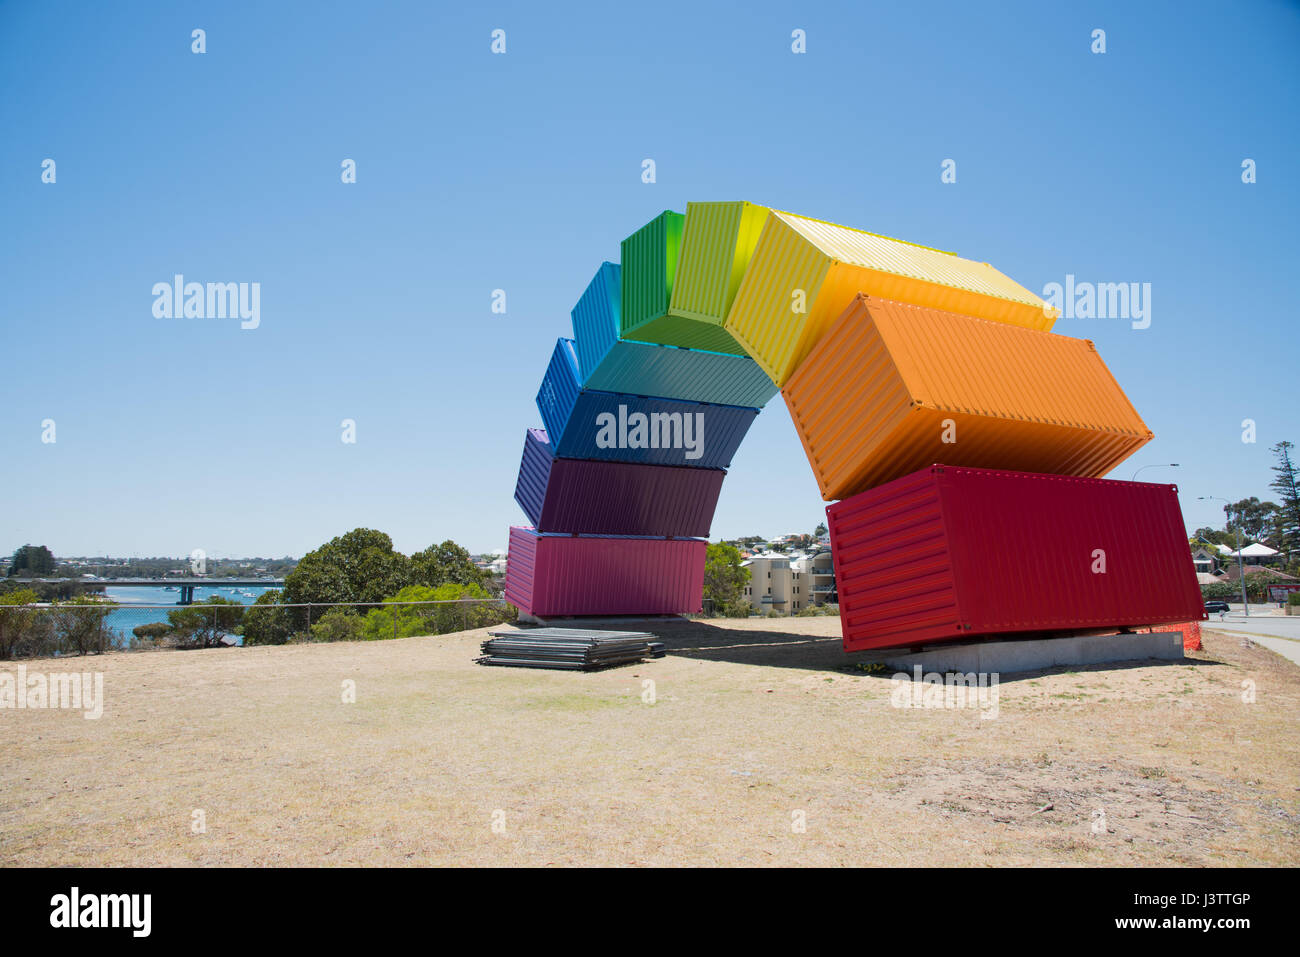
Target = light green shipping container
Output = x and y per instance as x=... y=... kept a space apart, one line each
x=696 y=260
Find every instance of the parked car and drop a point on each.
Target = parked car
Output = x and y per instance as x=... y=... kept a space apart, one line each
x=1215 y=607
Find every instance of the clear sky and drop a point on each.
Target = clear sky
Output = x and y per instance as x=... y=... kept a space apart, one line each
x=522 y=172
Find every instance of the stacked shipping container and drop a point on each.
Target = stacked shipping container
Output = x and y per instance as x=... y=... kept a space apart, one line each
x=891 y=356
x=892 y=388
x=952 y=553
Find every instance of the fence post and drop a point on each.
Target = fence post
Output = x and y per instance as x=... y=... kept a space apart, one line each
x=309 y=619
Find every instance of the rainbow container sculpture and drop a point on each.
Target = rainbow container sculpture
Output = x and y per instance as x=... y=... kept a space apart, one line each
x=891 y=356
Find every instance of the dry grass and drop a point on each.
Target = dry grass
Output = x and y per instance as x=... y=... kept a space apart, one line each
x=754 y=720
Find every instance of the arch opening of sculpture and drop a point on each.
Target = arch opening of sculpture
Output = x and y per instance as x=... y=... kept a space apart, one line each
x=891 y=358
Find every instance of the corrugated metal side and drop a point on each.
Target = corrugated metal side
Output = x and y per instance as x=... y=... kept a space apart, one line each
x=650 y=267
x=649 y=260
x=871 y=400
x=641 y=368
x=1025 y=547
x=855 y=247
x=763 y=316
x=611 y=364
x=534 y=474
x=559 y=391
x=590 y=575
x=1007 y=552
x=846 y=401
x=724 y=429
x=718 y=240
x=671 y=330
x=620 y=498
x=832 y=264
x=521 y=567
x=595 y=319
x=893 y=570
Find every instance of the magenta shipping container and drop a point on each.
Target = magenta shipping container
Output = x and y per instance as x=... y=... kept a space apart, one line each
x=614 y=498
x=950 y=553
x=550 y=575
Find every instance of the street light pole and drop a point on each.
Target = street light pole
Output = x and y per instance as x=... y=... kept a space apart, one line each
x=1171 y=465
x=1241 y=568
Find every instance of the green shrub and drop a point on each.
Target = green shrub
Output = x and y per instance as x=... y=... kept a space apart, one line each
x=338 y=624
x=204 y=624
x=1221 y=591
x=266 y=621
x=395 y=620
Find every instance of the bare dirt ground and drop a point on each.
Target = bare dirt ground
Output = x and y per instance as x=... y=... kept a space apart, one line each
x=765 y=745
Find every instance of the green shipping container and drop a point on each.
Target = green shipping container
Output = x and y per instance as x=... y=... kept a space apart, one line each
x=650 y=260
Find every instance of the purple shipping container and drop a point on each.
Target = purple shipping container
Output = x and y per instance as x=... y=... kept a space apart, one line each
x=558 y=575
x=614 y=498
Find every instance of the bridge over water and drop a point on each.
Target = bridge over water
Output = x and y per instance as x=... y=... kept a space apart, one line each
x=185 y=585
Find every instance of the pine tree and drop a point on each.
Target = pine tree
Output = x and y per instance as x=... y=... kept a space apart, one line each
x=1285 y=485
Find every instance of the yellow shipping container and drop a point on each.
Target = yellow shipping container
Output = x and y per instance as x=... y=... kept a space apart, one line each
x=804 y=273
x=892 y=388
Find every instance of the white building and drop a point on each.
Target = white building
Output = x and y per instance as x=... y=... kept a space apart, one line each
x=787 y=584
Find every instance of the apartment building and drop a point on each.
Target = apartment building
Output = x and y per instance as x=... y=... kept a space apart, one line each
x=787 y=584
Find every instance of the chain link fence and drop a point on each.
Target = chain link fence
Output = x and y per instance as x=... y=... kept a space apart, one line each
x=90 y=626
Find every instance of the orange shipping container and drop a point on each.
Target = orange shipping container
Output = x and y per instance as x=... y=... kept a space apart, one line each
x=893 y=388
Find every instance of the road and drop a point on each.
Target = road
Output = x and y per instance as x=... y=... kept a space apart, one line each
x=1280 y=633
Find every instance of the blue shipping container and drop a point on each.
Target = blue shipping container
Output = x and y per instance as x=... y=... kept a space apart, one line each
x=610 y=364
x=620 y=427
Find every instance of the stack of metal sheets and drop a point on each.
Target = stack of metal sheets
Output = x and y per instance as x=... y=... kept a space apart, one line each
x=570 y=649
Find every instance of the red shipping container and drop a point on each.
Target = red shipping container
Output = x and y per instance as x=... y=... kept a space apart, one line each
x=949 y=553
x=556 y=574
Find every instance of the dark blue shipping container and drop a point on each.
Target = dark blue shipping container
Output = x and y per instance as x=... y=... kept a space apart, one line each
x=614 y=498
x=617 y=427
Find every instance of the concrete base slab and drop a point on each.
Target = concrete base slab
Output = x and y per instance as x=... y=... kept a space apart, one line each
x=1008 y=657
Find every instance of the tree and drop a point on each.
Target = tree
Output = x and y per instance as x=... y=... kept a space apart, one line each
x=1253 y=517
x=820 y=530
x=204 y=625
x=32 y=561
x=398 y=618
x=469 y=613
x=1222 y=591
x=1214 y=536
x=79 y=624
x=724 y=578
x=17 y=615
x=358 y=567
x=266 y=621
x=1285 y=484
x=448 y=562
x=341 y=623
x=1257 y=584
x=154 y=631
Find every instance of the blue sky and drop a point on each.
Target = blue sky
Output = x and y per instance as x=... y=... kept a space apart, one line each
x=522 y=172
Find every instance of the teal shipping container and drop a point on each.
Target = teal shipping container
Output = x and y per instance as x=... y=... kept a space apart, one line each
x=609 y=363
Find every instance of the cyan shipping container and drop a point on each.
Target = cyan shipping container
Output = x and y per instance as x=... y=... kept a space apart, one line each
x=612 y=364
x=614 y=498
x=621 y=427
